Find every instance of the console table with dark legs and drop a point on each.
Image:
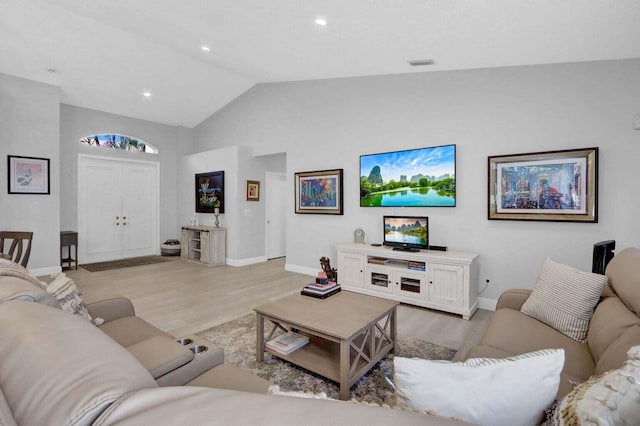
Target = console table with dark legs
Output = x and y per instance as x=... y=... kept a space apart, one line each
x=69 y=239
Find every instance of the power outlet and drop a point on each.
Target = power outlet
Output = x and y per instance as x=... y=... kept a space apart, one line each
x=636 y=122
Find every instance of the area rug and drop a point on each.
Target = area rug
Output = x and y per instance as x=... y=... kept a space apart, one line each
x=124 y=263
x=238 y=338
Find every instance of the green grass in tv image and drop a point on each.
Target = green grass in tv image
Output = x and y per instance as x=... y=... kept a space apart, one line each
x=408 y=194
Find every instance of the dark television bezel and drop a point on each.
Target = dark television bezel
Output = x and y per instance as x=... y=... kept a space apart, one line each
x=404 y=246
x=455 y=165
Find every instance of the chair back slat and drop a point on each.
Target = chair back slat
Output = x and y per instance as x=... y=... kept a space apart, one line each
x=20 y=247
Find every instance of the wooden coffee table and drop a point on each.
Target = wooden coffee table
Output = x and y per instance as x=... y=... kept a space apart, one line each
x=348 y=333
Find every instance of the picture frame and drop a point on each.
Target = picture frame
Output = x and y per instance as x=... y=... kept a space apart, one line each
x=558 y=186
x=209 y=190
x=319 y=192
x=253 y=190
x=28 y=175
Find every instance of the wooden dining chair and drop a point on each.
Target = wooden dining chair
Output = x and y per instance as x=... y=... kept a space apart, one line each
x=20 y=247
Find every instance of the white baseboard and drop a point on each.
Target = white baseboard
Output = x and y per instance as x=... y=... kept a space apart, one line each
x=487 y=304
x=301 y=269
x=245 y=262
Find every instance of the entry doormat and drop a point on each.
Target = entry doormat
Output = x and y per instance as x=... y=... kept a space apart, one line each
x=238 y=339
x=124 y=263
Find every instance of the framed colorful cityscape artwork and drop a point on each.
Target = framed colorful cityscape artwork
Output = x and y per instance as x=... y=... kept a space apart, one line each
x=547 y=186
x=319 y=192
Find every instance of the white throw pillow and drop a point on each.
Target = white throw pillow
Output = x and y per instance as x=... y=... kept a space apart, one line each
x=564 y=298
x=485 y=391
x=67 y=294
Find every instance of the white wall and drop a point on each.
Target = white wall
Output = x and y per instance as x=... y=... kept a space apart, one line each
x=326 y=124
x=77 y=123
x=29 y=126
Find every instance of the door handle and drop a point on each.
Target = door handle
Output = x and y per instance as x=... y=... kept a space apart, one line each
x=124 y=221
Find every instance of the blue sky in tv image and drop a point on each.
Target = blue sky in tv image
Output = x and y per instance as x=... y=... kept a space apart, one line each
x=422 y=177
x=406 y=230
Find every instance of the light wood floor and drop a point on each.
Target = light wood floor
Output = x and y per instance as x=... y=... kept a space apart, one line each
x=183 y=297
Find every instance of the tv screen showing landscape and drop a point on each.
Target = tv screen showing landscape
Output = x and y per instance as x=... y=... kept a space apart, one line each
x=424 y=177
x=410 y=231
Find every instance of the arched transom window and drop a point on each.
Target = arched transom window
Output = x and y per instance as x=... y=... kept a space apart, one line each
x=115 y=141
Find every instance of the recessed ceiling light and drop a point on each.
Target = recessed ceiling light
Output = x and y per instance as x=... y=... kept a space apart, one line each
x=206 y=48
x=146 y=94
x=421 y=62
x=320 y=21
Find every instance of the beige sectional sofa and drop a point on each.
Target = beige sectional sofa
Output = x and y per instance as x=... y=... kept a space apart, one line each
x=613 y=330
x=57 y=368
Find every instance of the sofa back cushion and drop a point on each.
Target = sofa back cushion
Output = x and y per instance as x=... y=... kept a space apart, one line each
x=56 y=368
x=624 y=277
x=610 y=320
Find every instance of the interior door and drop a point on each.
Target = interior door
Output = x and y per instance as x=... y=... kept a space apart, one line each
x=275 y=208
x=117 y=209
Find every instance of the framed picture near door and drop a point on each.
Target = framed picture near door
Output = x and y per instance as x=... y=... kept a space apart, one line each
x=210 y=192
x=28 y=175
x=253 y=190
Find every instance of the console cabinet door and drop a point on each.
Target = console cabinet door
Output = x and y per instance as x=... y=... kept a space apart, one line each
x=446 y=284
x=350 y=269
x=411 y=284
x=184 y=243
x=379 y=278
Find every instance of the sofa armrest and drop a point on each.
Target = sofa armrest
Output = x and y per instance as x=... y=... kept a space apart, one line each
x=108 y=308
x=513 y=298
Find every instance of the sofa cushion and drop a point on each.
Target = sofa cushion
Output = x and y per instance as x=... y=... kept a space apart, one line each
x=508 y=391
x=610 y=320
x=14 y=288
x=564 y=298
x=624 y=277
x=56 y=368
x=615 y=355
x=128 y=331
x=516 y=333
x=6 y=416
x=186 y=405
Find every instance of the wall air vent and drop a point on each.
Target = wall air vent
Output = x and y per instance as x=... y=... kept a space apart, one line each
x=421 y=62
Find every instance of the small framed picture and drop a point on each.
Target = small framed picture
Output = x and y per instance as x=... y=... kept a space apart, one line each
x=319 y=192
x=545 y=186
x=28 y=175
x=253 y=190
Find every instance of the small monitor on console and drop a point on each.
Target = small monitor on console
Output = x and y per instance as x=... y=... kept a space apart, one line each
x=408 y=233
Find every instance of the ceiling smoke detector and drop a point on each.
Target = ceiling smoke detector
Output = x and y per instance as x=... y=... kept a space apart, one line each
x=421 y=62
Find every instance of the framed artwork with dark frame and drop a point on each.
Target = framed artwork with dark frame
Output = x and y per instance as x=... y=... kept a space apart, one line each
x=253 y=190
x=319 y=192
x=210 y=192
x=544 y=186
x=28 y=175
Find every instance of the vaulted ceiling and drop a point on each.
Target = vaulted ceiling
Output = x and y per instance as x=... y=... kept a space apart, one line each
x=103 y=54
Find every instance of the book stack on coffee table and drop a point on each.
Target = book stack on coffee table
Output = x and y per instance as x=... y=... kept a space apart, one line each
x=321 y=290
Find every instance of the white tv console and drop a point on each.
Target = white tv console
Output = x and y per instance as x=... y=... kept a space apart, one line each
x=443 y=280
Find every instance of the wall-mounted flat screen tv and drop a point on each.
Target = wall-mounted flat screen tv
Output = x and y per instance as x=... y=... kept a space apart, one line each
x=408 y=233
x=424 y=177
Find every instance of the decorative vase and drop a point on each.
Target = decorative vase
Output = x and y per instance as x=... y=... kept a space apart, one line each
x=216 y=213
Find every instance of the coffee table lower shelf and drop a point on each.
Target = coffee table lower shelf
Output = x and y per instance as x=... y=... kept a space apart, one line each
x=322 y=357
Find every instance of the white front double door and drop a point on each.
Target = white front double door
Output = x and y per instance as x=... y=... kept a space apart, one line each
x=118 y=209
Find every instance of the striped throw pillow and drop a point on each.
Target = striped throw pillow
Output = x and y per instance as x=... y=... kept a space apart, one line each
x=564 y=298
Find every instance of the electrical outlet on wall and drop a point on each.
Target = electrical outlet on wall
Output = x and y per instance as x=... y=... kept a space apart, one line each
x=636 y=122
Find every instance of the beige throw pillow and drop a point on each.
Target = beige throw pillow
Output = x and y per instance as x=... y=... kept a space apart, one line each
x=564 y=298
x=67 y=294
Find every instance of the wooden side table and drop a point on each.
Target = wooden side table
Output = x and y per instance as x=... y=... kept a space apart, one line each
x=69 y=239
